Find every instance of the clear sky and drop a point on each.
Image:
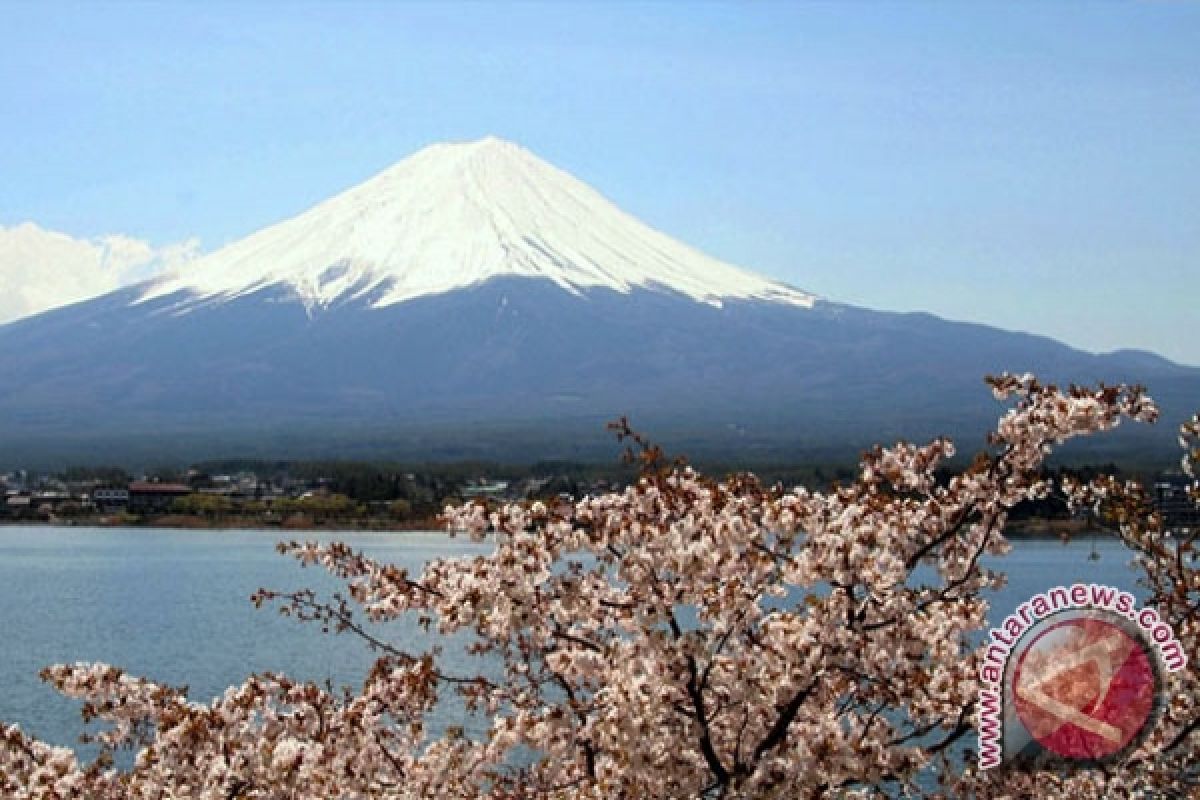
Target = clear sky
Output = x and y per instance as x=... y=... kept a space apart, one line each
x=1033 y=166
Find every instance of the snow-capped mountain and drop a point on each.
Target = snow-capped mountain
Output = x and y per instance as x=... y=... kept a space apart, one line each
x=473 y=301
x=457 y=215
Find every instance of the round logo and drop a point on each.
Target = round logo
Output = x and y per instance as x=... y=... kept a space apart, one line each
x=1085 y=688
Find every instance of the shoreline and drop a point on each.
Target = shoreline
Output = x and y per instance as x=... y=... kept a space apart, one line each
x=1030 y=528
x=176 y=522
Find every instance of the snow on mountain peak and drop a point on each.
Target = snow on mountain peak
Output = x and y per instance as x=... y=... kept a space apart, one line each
x=456 y=214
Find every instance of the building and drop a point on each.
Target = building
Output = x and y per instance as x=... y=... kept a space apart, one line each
x=485 y=488
x=1171 y=499
x=154 y=498
x=110 y=499
x=19 y=506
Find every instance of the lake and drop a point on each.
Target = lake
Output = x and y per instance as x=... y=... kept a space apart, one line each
x=174 y=606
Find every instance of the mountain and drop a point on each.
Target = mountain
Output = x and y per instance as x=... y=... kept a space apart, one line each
x=474 y=301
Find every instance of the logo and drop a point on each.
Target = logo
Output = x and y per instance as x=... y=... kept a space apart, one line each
x=1072 y=676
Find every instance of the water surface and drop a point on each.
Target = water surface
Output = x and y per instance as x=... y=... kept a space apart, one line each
x=174 y=606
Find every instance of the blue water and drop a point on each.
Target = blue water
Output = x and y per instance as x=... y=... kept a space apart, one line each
x=171 y=605
x=174 y=606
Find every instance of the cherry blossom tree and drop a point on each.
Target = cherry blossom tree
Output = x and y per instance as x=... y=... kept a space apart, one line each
x=684 y=637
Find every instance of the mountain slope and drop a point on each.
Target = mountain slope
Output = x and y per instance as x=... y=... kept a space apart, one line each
x=518 y=361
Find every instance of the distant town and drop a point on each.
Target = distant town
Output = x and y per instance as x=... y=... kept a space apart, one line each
x=370 y=496
x=333 y=495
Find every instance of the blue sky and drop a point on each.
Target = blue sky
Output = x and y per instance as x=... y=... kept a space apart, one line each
x=1033 y=166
